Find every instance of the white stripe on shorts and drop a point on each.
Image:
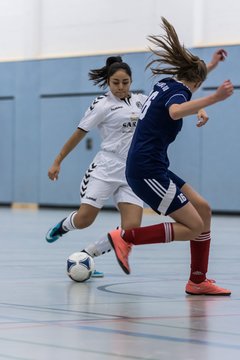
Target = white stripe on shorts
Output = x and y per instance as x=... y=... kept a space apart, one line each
x=156 y=187
x=167 y=195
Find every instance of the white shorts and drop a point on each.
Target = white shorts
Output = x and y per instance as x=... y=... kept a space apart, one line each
x=105 y=178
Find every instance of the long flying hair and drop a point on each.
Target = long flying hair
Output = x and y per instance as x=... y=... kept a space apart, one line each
x=173 y=58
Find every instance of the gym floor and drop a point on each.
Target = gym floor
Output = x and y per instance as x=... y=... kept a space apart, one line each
x=44 y=315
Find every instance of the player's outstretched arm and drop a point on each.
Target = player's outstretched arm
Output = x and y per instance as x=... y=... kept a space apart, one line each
x=72 y=142
x=178 y=111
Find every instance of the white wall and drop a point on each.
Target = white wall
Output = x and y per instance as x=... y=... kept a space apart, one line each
x=20 y=29
x=216 y=22
x=31 y=29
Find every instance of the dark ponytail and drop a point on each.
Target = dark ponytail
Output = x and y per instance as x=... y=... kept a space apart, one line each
x=101 y=76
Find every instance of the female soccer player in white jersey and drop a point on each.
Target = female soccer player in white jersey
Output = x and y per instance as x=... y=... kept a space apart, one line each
x=115 y=114
x=147 y=168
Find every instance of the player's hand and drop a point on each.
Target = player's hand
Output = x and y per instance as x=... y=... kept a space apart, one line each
x=53 y=172
x=219 y=55
x=224 y=91
x=202 y=117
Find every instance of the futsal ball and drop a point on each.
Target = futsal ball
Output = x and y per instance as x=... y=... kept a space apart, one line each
x=80 y=266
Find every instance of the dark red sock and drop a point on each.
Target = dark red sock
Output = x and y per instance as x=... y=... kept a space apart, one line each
x=199 y=257
x=160 y=233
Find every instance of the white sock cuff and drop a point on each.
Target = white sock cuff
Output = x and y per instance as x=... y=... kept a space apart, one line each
x=204 y=236
x=100 y=247
x=68 y=223
x=168 y=232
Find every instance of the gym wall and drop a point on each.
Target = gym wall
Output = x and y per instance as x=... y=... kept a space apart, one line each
x=47 y=48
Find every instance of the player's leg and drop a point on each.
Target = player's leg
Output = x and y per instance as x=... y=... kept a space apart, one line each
x=163 y=196
x=79 y=219
x=198 y=283
x=110 y=168
x=130 y=208
x=131 y=217
x=199 y=246
x=200 y=204
x=91 y=203
x=99 y=247
x=188 y=223
x=103 y=191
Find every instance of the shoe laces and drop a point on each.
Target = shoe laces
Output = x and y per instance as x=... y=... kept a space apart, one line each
x=211 y=281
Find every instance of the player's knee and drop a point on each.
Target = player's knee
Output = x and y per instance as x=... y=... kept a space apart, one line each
x=197 y=228
x=204 y=210
x=83 y=221
x=207 y=210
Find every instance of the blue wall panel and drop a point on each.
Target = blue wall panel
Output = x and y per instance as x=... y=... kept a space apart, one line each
x=59 y=119
x=220 y=152
x=185 y=153
x=7 y=78
x=71 y=75
x=27 y=129
x=7 y=133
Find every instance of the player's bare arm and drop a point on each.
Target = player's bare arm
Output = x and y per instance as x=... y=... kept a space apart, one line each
x=178 y=111
x=72 y=142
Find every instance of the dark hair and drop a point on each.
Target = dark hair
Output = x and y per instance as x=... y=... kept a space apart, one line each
x=101 y=76
x=183 y=64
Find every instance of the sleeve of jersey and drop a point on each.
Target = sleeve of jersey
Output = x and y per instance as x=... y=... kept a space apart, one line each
x=179 y=98
x=143 y=98
x=93 y=116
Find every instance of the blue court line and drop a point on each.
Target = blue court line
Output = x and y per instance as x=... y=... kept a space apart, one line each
x=105 y=288
x=159 y=337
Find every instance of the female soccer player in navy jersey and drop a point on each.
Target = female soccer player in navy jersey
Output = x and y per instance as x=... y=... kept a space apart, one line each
x=147 y=168
x=115 y=114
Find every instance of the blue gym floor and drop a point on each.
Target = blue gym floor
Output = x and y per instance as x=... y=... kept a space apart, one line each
x=44 y=315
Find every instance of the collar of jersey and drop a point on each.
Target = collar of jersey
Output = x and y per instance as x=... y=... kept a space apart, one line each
x=182 y=84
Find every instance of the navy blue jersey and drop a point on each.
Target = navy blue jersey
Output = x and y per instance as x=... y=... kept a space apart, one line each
x=147 y=156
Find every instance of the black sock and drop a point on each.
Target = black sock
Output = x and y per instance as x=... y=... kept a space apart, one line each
x=85 y=252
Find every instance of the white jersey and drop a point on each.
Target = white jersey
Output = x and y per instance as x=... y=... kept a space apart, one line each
x=116 y=120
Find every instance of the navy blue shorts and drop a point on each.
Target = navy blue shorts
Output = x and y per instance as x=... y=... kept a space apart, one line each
x=162 y=194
